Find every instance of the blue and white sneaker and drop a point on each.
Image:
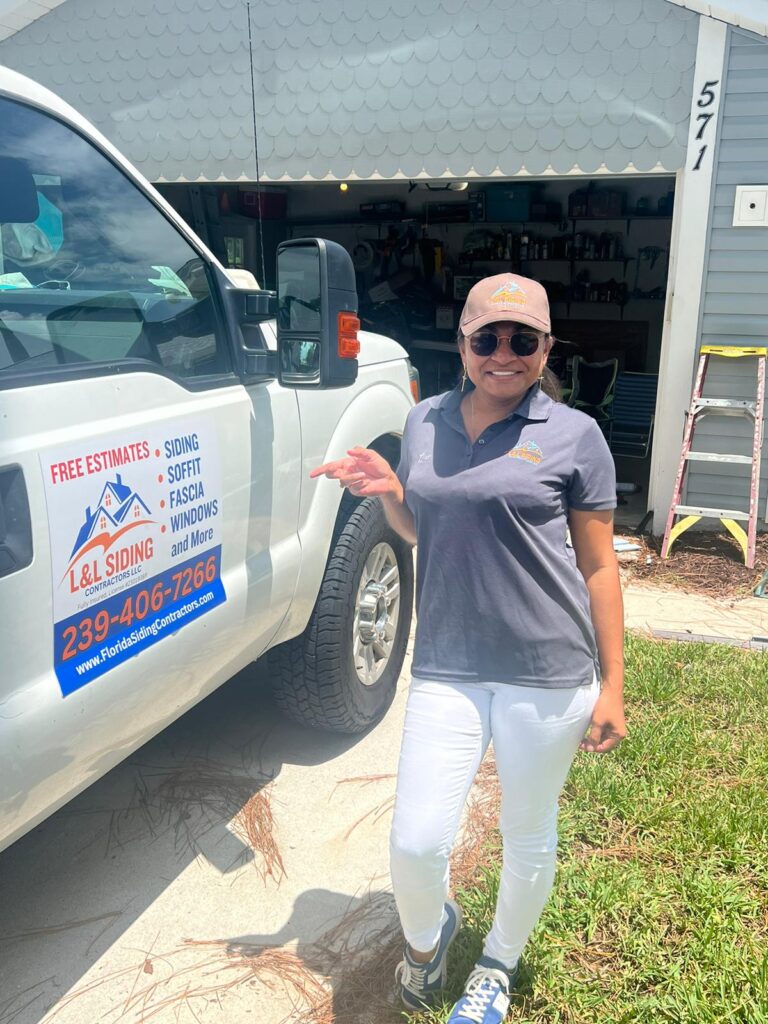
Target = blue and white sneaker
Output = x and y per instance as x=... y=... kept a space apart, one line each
x=420 y=984
x=486 y=995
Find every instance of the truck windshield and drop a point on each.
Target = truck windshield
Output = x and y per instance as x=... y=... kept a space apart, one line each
x=92 y=271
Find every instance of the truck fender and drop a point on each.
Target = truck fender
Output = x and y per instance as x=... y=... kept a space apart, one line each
x=375 y=418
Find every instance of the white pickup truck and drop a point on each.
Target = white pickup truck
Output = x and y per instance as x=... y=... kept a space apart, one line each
x=158 y=527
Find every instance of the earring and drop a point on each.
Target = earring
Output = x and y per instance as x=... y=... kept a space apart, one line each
x=463 y=377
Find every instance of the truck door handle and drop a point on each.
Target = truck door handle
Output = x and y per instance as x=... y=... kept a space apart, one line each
x=15 y=522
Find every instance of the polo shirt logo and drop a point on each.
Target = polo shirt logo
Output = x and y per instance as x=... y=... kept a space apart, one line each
x=529 y=451
x=510 y=294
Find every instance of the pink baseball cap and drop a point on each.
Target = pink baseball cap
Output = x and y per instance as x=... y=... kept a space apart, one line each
x=505 y=297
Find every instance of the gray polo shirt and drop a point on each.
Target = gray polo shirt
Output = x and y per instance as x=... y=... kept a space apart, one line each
x=498 y=595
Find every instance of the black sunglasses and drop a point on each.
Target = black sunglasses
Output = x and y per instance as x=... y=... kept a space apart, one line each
x=485 y=343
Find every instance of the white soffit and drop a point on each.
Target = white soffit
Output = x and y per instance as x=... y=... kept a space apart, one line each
x=751 y=15
x=17 y=14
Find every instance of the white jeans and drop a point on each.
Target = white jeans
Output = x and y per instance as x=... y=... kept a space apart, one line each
x=448 y=727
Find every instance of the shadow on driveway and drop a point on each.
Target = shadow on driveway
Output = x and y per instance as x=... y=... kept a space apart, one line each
x=71 y=887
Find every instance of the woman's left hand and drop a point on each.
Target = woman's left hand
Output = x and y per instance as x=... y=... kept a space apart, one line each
x=608 y=726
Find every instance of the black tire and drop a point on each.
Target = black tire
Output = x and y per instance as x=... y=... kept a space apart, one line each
x=314 y=677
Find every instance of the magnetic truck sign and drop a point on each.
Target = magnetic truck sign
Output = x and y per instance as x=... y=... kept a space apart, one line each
x=135 y=533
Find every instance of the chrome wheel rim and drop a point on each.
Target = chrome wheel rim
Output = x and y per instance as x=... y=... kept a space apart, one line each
x=377 y=610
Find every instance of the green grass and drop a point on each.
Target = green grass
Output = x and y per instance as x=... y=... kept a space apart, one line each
x=660 y=907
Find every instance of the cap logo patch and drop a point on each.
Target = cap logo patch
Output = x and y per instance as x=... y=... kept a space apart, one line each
x=529 y=451
x=509 y=294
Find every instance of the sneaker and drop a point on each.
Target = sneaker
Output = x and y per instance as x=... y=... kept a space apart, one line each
x=486 y=995
x=421 y=983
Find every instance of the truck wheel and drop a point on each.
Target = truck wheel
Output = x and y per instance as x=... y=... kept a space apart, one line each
x=341 y=673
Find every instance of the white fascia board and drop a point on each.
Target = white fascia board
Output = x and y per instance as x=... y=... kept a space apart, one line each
x=17 y=14
x=751 y=15
x=29 y=9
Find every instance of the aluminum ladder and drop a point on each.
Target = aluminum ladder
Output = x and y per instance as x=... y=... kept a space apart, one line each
x=701 y=407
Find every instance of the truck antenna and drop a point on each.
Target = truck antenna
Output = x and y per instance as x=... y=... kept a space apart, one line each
x=262 y=280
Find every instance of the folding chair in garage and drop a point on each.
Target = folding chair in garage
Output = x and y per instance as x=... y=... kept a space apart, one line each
x=632 y=414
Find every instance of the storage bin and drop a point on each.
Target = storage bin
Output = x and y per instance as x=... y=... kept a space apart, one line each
x=384 y=209
x=605 y=202
x=508 y=202
x=446 y=213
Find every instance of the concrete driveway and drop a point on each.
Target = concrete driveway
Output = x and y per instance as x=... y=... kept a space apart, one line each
x=144 y=897
x=147 y=898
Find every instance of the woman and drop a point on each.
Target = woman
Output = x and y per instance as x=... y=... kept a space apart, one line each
x=519 y=636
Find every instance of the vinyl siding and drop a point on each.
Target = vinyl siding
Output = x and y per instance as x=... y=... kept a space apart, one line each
x=735 y=301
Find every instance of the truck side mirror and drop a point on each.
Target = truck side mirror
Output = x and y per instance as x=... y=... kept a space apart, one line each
x=18 y=195
x=317 y=324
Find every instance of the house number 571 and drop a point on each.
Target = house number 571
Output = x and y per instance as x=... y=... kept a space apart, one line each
x=707 y=98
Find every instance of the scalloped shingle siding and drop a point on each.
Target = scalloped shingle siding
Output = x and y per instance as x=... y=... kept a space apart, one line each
x=373 y=88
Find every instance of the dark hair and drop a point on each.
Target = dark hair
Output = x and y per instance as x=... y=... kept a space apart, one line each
x=550 y=383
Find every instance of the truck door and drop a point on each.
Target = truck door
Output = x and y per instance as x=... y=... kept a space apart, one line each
x=129 y=457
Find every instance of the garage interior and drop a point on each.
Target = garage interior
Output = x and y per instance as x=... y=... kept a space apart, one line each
x=600 y=247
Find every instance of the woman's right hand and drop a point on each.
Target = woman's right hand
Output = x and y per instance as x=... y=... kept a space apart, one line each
x=364 y=473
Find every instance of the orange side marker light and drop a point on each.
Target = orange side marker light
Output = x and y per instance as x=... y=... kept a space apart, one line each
x=349 y=343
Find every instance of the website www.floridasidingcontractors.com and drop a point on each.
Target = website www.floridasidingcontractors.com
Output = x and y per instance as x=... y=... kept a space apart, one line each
x=137 y=635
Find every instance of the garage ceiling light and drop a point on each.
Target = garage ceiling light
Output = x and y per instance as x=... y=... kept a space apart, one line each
x=449 y=186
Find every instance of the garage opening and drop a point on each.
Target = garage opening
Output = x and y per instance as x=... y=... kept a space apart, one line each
x=600 y=247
